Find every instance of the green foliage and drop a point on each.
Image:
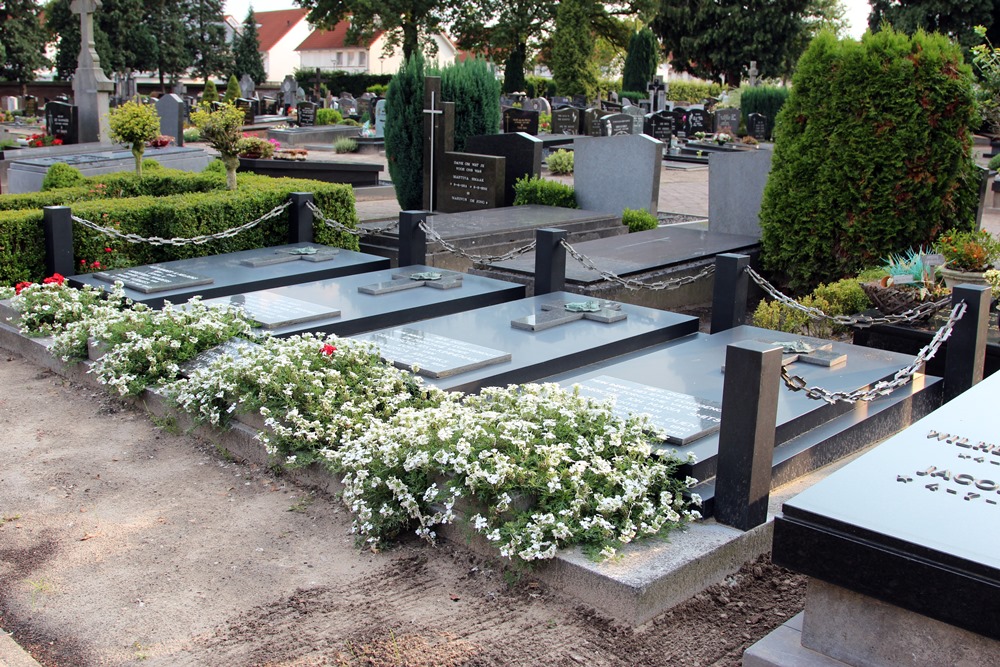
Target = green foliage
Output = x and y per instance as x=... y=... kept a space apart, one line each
x=641 y=60
x=23 y=38
x=350 y=122
x=560 y=162
x=957 y=20
x=345 y=145
x=328 y=117
x=472 y=85
x=214 y=167
x=513 y=73
x=404 y=133
x=691 y=92
x=844 y=297
x=633 y=95
x=134 y=123
x=968 y=250
x=542 y=86
x=210 y=93
x=222 y=130
x=337 y=81
x=405 y=23
x=872 y=155
x=206 y=38
x=766 y=100
x=255 y=147
x=62 y=175
x=232 y=90
x=192 y=135
x=639 y=220
x=150 y=163
x=572 y=48
x=377 y=89
x=246 y=51
x=994 y=164
x=535 y=190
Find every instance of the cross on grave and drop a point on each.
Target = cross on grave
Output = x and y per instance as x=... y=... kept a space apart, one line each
x=307 y=253
x=407 y=281
x=753 y=73
x=655 y=87
x=562 y=312
x=316 y=81
x=431 y=113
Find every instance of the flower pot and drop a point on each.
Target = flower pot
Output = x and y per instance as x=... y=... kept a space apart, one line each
x=953 y=277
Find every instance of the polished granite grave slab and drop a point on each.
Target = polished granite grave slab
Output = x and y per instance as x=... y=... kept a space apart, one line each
x=232 y=273
x=914 y=521
x=576 y=342
x=809 y=433
x=377 y=299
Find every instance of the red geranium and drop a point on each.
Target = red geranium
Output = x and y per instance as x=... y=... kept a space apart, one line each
x=54 y=279
x=20 y=286
x=328 y=350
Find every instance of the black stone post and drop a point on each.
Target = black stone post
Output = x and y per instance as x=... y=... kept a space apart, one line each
x=300 y=218
x=746 y=435
x=57 y=221
x=550 y=261
x=966 y=354
x=729 y=296
x=412 y=239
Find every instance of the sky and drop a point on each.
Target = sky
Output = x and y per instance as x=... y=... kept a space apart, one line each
x=857 y=11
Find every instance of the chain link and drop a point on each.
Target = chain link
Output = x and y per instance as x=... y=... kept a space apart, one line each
x=882 y=387
x=861 y=321
x=341 y=227
x=631 y=284
x=196 y=240
x=434 y=237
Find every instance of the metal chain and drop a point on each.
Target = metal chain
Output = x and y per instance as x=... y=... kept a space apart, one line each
x=882 y=387
x=911 y=315
x=341 y=227
x=197 y=240
x=631 y=284
x=434 y=237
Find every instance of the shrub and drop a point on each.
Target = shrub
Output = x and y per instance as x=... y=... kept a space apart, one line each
x=345 y=145
x=61 y=175
x=847 y=188
x=233 y=91
x=539 y=86
x=214 y=167
x=255 y=147
x=534 y=190
x=210 y=93
x=639 y=220
x=404 y=132
x=222 y=130
x=994 y=164
x=766 y=100
x=472 y=85
x=377 y=89
x=844 y=297
x=560 y=162
x=338 y=80
x=690 y=91
x=572 y=50
x=328 y=117
x=350 y=122
x=134 y=124
x=633 y=95
x=192 y=135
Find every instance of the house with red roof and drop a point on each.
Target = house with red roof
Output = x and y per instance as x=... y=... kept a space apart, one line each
x=329 y=50
x=279 y=33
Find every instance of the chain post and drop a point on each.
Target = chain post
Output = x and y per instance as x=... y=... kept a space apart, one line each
x=412 y=239
x=965 y=356
x=729 y=294
x=300 y=218
x=550 y=261
x=57 y=222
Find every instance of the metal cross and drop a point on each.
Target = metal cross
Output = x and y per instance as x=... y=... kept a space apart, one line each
x=433 y=111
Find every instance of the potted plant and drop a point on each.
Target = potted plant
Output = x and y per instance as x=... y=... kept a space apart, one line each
x=967 y=255
x=907 y=281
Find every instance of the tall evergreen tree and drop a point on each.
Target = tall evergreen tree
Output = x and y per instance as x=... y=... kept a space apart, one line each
x=207 y=46
x=641 y=60
x=472 y=85
x=404 y=132
x=956 y=19
x=23 y=37
x=572 y=48
x=171 y=57
x=246 y=52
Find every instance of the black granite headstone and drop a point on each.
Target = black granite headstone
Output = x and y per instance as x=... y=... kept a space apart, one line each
x=469 y=182
x=30 y=105
x=660 y=126
x=680 y=121
x=699 y=120
x=590 y=122
x=306 y=114
x=728 y=121
x=153 y=278
x=520 y=120
x=758 y=126
x=61 y=121
x=522 y=155
x=566 y=120
x=246 y=106
x=616 y=124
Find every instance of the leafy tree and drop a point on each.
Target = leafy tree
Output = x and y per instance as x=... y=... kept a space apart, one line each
x=222 y=130
x=210 y=93
x=170 y=56
x=403 y=21
x=206 y=39
x=957 y=20
x=404 y=132
x=23 y=38
x=572 y=48
x=717 y=39
x=135 y=124
x=641 y=61
x=246 y=51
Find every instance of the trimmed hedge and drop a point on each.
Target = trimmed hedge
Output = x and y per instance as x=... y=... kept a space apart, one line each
x=766 y=100
x=339 y=81
x=692 y=92
x=22 y=254
x=535 y=190
x=872 y=156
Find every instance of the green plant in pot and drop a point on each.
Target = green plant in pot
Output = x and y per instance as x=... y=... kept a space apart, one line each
x=968 y=255
x=907 y=281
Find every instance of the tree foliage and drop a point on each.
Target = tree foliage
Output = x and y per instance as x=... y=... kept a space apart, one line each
x=206 y=39
x=222 y=130
x=956 y=19
x=246 y=52
x=572 y=48
x=210 y=93
x=641 y=60
x=23 y=38
x=233 y=91
x=404 y=132
x=472 y=85
x=872 y=155
x=134 y=124
x=717 y=39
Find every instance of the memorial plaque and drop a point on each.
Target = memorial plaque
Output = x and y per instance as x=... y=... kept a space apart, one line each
x=699 y=120
x=306 y=114
x=309 y=253
x=469 y=182
x=272 y=311
x=616 y=125
x=61 y=121
x=434 y=356
x=591 y=121
x=566 y=121
x=522 y=155
x=233 y=349
x=520 y=120
x=684 y=418
x=152 y=278
x=758 y=126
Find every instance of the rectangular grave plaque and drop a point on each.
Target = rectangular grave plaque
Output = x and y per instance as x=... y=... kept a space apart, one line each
x=683 y=417
x=434 y=356
x=231 y=348
x=469 y=182
x=151 y=279
x=272 y=310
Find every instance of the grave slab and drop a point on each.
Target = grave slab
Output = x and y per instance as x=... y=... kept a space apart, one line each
x=232 y=273
x=386 y=298
x=809 y=434
x=536 y=354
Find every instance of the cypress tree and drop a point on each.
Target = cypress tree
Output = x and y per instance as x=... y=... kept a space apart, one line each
x=572 y=48
x=246 y=51
x=232 y=90
x=641 y=60
x=404 y=132
x=472 y=85
x=210 y=93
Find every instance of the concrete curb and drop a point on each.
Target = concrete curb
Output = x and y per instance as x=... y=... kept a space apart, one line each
x=12 y=655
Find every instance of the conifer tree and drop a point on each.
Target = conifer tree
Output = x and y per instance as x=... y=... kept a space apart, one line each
x=404 y=132
x=641 y=60
x=246 y=52
x=572 y=47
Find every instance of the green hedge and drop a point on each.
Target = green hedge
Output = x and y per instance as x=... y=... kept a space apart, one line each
x=692 y=92
x=766 y=100
x=535 y=190
x=174 y=216
x=338 y=81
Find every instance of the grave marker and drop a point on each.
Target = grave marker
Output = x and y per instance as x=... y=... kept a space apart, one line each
x=306 y=113
x=380 y=119
x=699 y=120
x=153 y=278
x=246 y=106
x=637 y=118
x=172 y=113
x=247 y=86
x=566 y=121
x=728 y=121
x=601 y=187
x=660 y=126
x=591 y=122
x=469 y=182
x=549 y=315
x=415 y=279
x=758 y=126
x=520 y=120
x=61 y=121
x=680 y=121
x=309 y=253
x=433 y=355
x=616 y=125
x=522 y=155
x=271 y=310
x=30 y=105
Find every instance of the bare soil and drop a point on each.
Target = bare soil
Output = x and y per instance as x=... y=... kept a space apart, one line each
x=123 y=542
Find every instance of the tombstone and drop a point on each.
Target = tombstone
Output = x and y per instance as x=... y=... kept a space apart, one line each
x=30 y=105
x=365 y=104
x=581 y=101
x=506 y=101
x=680 y=121
x=638 y=117
x=758 y=126
x=736 y=181
x=561 y=101
x=565 y=121
x=306 y=112
x=611 y=107
x=727 y=121
x=179 y=89
x=753 y=72
x=300 y=93
x=699 y=120
x=269 y=105
x=616 y=124
x=657 y=93
x=247 y=86
x=601 y=186
x=439 y=128
x=519 y=120
x=522 y=155
x=347 y=106
x=590 y=122
x=289 y=91
x=246 y=106
x=380 y=119
x=172 y=112
x=91 y=87
x=539 y=104
x=61 y=121
x=469 y=182
x=660 y=126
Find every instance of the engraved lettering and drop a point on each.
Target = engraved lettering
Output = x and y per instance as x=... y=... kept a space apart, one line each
x=986 y=485
x=964 y=479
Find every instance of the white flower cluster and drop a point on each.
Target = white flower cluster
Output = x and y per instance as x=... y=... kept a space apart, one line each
x=47 y=308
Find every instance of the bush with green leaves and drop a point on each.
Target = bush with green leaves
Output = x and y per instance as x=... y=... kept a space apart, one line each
x=560 y=162
x=765 y=100
x=192 y=135
x=639 y=220
x=473 y=86
x=222 y=130
x=844 y=297
x=535 y=190
x=255 y=147
x=62 y=175
x=872 y=155
x=404 y=132
x=134 y=124
x=691 y=92
x=572 y=50
x=345 y=145
x=233 y=91
x=210 y=93
x=328 y=117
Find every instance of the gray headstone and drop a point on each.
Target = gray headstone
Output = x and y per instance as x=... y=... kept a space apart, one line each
x=522 y=154
x=347 y=106
x=289 y=91
x=728 y=121
x=380 y=118
x=736 y=183
x=539 y=104
x=602 y=187
x=638 y=117
x=616 y=125
x=566 y=121
x=91 y=86
x=247 y=86
x=172 y=112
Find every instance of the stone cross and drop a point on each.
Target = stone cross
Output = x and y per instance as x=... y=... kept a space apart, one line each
x=555 y=314
x=309 y=253
x=654 y=87
x=753 y=73
x=407 y=281
x=91 y=87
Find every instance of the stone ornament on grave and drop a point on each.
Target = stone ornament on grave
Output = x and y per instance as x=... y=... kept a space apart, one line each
x=556 y=314
x=380 y=119
x=400 y=282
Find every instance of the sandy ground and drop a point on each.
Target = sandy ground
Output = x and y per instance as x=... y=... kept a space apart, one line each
x=123 y=542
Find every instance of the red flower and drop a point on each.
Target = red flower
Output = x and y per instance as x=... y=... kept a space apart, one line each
x=328 y=350
x=96 y=264
x=20 y=286
x=109 y=250
x=54 y=279
x=57 y=142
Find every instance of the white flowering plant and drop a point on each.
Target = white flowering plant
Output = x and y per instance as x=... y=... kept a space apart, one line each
x=46 y=308
x=314 y=393
x=543 y=468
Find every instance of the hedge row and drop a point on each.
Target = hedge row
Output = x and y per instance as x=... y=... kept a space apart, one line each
x=338 y=82
x=22 y=248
